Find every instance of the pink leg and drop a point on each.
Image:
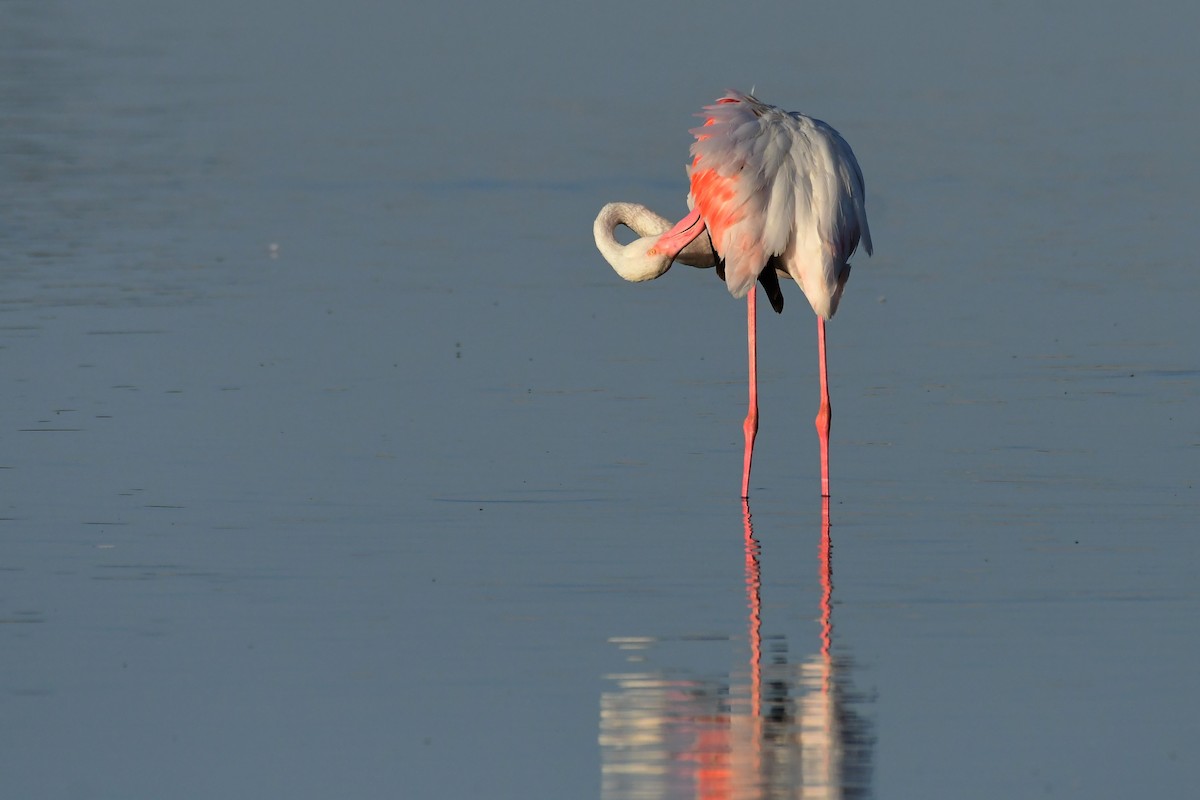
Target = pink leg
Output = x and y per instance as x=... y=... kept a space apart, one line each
x=824 y=413
x=750 y=427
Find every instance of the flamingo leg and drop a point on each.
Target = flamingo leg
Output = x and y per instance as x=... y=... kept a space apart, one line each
x=824 y=413
x=750 y=427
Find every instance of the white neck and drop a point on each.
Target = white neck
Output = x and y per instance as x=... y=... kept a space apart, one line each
x=632 y=261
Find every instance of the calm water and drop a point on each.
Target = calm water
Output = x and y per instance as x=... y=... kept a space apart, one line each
x=336 y=462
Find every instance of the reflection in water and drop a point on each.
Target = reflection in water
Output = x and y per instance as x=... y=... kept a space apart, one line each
x=789 y=731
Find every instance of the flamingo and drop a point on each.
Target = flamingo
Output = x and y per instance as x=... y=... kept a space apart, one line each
x=778 y=194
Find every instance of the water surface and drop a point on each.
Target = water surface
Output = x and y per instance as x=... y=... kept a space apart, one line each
x=335 y=461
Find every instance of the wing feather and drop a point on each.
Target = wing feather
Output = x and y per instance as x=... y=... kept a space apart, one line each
x=770 y=183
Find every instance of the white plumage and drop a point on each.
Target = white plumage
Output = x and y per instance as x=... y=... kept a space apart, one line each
x=773 y=183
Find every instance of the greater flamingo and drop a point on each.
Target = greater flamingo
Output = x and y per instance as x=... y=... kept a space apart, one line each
x=778 y=193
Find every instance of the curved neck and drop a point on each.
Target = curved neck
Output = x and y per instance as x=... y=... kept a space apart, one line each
x=633 y=261
x=636 y=217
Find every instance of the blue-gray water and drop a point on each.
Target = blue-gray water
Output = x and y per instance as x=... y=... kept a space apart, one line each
x=335 y=462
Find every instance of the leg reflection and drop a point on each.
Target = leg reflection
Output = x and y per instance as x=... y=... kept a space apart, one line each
x=782 y=729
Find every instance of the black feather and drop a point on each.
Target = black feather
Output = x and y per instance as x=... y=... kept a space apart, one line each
x=769 y=280
x=770 y=283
